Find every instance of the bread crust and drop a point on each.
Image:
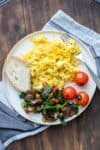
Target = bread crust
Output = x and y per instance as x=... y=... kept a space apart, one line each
x=12 y=81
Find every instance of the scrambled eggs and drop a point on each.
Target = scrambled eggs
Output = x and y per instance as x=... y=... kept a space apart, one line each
x=52 y=61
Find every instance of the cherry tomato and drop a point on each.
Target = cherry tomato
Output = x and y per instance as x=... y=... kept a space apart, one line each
x=82 y=98
x=69 y=93
x=81 y=78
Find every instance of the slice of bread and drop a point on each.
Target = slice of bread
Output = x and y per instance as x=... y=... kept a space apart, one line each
x=18 y=73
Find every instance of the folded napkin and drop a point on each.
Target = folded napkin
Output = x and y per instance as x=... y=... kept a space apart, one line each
x=3 y=2
x=14 y=127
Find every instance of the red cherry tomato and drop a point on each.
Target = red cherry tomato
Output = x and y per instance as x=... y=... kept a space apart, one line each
x=82 y=98
x=81 y=78
x=69 y=93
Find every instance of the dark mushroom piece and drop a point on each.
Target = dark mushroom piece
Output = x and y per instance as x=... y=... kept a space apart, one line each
x=29 y=97
x=30 y=94
x=72 y=112
x=32 y=91
x=54 y=101
x=36 y=102
x=47 y=117
x=69 y=111
x=29 y=109
x=61 y=115
x=66 y=110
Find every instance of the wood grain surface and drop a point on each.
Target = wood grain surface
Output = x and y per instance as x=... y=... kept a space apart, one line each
x=20 y=17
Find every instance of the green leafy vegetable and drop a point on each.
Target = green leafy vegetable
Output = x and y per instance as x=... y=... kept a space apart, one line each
x=58 y=95
x=56 y=107
x=53 y=105
x=47 y=102
x=22 y=95
x=75 y=106
x=62 y=120
x=39 y=109
x=47 y=92
x=25 y=104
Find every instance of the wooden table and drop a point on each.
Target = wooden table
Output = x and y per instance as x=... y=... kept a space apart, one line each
x=20 y=17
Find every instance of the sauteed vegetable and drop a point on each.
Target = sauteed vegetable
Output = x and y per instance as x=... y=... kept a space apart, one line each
x=53 y=102
x=48 y=101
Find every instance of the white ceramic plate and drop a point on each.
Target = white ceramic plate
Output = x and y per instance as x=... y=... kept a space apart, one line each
x=25 y=45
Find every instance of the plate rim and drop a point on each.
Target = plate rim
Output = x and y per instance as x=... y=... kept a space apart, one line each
x=3 y=74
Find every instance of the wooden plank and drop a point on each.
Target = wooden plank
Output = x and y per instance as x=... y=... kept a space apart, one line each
x=12 y=27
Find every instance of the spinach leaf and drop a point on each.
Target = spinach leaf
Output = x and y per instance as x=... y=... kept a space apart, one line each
x=22 y=95
x=47 y=92
x=47 y=102
x=58 y=95
x=25 y=104
x=75 y=107
x=55 y=107
x=62 y=120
